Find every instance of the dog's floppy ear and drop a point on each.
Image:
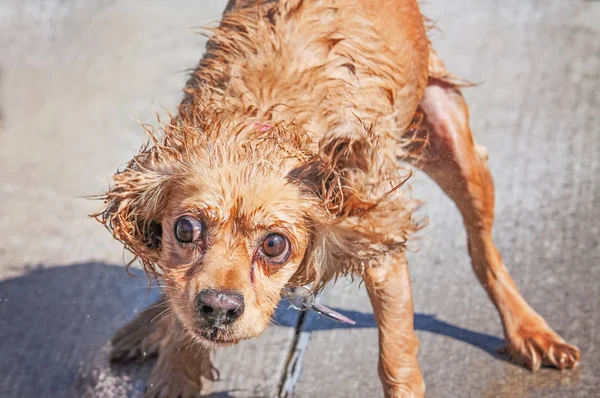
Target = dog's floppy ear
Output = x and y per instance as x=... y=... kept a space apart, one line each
x=134 y=204
x=363 y=214
x=332 y=175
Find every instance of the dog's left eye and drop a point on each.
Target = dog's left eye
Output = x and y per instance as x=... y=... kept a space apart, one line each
x=276 y=247
x=188 y=229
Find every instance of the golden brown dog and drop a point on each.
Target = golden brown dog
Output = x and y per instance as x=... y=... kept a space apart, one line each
x=284 y=167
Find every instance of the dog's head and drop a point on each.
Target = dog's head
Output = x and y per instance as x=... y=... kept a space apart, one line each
x=227 y=220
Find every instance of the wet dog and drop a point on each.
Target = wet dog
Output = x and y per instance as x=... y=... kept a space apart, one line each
x=285 y=167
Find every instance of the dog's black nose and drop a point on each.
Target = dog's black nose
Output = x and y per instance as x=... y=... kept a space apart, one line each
x=219 y=307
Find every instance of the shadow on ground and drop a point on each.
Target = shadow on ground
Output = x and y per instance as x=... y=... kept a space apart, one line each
x=56 y=323
x=425 y=322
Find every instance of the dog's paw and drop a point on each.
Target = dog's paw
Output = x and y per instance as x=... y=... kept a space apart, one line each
x=404 y=392
x=413 y=385
x=169 y=385
x=542 y=346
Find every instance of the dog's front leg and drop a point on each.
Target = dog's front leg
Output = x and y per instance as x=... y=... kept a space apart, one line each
x=390 y=292
x=181 y=369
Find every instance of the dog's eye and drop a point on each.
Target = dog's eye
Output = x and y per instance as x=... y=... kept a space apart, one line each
x=188 y=229
x=276 y=247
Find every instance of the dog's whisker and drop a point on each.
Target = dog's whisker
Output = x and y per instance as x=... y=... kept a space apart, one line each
x=165 y=312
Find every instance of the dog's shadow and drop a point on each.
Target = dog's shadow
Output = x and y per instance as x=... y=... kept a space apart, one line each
x=56 y=322
x=425 y=322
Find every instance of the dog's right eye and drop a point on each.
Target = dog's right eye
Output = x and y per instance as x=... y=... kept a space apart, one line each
x=188 y=229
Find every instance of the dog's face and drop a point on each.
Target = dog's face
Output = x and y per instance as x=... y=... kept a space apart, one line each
x=228 y=224
x=232 y=237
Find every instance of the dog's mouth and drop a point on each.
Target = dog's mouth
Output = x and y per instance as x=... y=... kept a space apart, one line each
x=217 y=336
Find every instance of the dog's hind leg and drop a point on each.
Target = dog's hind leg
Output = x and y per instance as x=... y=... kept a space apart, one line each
x=458 y=165
x=141 y=338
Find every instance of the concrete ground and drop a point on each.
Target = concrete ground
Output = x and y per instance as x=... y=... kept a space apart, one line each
x=74 y=77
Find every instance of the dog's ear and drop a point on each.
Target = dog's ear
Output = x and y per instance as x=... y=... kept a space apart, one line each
x=134 y=205
x=342 y=175
x=363 y=214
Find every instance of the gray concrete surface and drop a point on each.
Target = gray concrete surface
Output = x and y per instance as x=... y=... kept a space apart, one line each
x=74 y=77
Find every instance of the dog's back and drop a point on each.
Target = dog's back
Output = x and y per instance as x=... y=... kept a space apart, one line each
x=322 y=64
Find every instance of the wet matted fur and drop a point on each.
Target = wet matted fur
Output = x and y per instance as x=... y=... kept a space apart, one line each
x=301 y=122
